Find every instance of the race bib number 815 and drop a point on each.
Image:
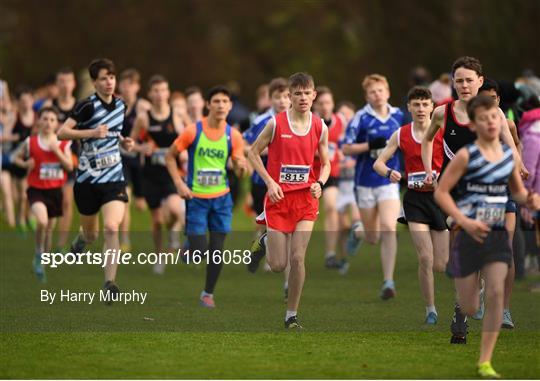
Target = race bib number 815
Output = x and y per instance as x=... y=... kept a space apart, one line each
x=294 y=174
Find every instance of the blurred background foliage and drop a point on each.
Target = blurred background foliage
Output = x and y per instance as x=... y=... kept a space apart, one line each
x=205 y=42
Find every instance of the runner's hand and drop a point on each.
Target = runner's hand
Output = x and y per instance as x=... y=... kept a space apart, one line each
x=533 y=201
x=476 y=229
x=395 y=176
x=127 y=143
x=523 y=171
x=30 y=164
x=146 y=149
x=275 y=193
x=101 y=131
x=316 y=190
x=184 y=191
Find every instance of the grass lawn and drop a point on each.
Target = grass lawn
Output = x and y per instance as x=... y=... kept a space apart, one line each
x=349 y=332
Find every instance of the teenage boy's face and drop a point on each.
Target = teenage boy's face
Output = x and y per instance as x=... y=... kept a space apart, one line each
x=377 y=94
x=48 y=121
x=347 y=113
x=26 y=100
x=105 y=82
x=467 y=82
x=129 y=88
x=280 y=100
x=65 y=83
x=324 y=105
x=420 y=109
x=159 y=93
x=195 y=103
x=492 y=94
x=487 y=123
x=302 y=98
x=219 y=106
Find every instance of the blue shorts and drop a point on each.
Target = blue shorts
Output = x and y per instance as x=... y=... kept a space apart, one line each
x=209 y=214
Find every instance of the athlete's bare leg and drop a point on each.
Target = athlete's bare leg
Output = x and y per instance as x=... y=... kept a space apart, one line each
x=7 y=197
x=113 y=213
x=424 y=249
x=370 y=219
x=299 y=243
x=331 y=222
x=510 y=225
x=64 y=223
x=126 y=222
x=39 y=211
x=388 y=215
x=494 y=275
x=276 y=252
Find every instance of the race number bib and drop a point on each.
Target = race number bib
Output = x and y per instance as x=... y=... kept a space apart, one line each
x=294 y=174
x=107 y=159
x=491 y=210
x=209 y=177
x=375 y=153
x=51 y=171
x=158 y=157
x=415 y=180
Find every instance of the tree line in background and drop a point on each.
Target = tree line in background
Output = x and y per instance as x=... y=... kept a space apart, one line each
x=205 y=42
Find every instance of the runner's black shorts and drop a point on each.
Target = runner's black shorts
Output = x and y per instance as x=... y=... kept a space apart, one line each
x=257 y=193
x=90 y=197
x=468 y=256
x=421 y=207
x=133 y=174
x=52 y=198
x=155 y=190
x=331 y=182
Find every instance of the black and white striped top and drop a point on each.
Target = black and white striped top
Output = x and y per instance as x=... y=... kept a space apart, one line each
x=99 y=159
x=482 y=192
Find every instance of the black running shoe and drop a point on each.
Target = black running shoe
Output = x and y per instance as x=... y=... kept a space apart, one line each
x=459 y=327
x=77 y=245
x=292 y=323
x=111 y=292
x=258 y=251
x=331 y=262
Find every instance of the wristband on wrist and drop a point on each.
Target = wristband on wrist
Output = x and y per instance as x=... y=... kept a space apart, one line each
x=320 y=183
x=389 y=173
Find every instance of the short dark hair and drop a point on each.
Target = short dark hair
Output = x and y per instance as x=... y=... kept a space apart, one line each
x=130 y=74
x=193 y=90
x=321 y=90
x=156 y=79
x=22 y=89
x=419 y=92
x=99 y=64
x=490 y=84
x=220 y=89
x=479 y=101
x=64 y=70
x=302 y=80
x=277 y=84
x=470 y=63
x=45 y=109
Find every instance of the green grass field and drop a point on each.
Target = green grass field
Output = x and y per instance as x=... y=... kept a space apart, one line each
x=349 y=332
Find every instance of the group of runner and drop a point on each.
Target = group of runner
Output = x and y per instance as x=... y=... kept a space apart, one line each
x=461 y=164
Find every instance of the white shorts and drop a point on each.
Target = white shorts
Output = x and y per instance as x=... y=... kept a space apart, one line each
x=369 y=197
x=345 y=195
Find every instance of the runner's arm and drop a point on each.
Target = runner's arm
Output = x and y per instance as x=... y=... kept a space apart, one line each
x=507 y=138
x=20 y=153
x=455 y=170
x=324 y=157
x=260 y=144
x=68 y=131
x=380 y=164
x=427 y=141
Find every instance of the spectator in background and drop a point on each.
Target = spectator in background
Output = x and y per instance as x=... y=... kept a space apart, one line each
x=195 y=103
x=45 y=93
x=418 y=76
x=239 y=115
x=529 y=128
x=263 y=102
x=441 y=89
x=347 y=110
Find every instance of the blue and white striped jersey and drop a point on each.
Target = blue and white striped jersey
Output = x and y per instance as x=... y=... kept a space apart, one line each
x=482 y=192
x=99 y=159
x=251 y=134
x=365 y=126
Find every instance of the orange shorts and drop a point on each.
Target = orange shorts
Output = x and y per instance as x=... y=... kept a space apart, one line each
x=283 y=216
